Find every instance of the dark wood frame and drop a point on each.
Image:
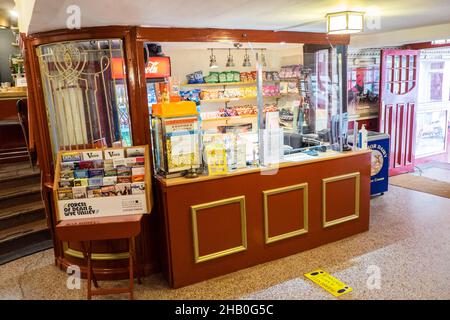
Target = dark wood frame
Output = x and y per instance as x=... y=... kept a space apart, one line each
x=133 y=40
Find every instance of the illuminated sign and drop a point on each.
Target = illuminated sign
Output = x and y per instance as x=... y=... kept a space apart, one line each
x=157 y=67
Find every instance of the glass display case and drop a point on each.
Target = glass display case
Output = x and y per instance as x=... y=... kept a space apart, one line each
x=176 y=138
x=85 y=94
x=431 y=132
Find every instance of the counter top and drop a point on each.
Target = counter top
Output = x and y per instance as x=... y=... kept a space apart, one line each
x=286 y=163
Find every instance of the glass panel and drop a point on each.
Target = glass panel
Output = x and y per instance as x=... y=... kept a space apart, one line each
x=258 y=104
x=436 y=82
x=430 y=136
x=389 y=62
x=396 y=62
x=412 y=61
x=396 y=89
x=403 y=87
x=85 y=93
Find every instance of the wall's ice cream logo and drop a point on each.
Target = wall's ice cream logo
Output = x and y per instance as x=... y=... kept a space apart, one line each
x=378 y=155
x=79 y=209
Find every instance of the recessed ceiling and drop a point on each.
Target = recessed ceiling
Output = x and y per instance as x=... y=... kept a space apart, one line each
x=293 y=15
x=6 y=4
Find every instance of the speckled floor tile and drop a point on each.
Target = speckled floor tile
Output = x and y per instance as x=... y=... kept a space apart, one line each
x=408 y=243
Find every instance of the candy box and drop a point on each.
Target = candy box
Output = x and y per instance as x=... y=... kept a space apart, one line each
x=81 y=174
x=70 y=156
x=108 y=191
x=137 y=188
x=123 y=189
x=80 y=182
x=94 y=192
x=96 y=173
x=65 y=194
x=95 y=182
x=67 y=174
x=79 y=192
x=107 y=181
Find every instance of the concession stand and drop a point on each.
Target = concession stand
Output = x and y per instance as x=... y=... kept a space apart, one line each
x=245 y=134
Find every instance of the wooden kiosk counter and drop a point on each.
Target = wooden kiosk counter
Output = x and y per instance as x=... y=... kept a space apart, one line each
x=216 y=225
x=203 y=227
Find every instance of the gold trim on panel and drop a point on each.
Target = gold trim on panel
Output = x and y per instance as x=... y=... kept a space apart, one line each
x=94 y=256
x=353 y=216
x=291 y=234
x=215 y=255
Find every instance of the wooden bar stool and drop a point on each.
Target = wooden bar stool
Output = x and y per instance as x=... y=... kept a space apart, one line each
x=88 y=230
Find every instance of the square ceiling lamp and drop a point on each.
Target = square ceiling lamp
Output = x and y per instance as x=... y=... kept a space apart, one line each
x=345 y=22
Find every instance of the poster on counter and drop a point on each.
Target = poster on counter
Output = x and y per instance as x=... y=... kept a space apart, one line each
x=182 y=144
x=216 y=158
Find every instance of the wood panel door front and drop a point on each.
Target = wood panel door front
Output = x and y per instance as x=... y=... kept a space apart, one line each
x=398 y=88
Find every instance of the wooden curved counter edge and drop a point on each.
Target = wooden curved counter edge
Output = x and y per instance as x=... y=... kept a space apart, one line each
x=221 y=224
x=330 y=155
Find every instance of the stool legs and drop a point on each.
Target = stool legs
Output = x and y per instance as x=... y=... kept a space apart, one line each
x=138 y=271
x=86 y=247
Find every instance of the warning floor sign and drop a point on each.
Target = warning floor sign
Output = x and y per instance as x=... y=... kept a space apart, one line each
x=328 y=282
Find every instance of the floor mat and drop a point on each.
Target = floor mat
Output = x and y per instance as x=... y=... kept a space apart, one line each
x=422 y=184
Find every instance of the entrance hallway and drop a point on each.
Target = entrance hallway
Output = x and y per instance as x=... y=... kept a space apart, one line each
x=408 y=240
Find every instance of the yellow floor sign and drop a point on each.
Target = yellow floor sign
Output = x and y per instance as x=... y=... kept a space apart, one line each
x=328 y=282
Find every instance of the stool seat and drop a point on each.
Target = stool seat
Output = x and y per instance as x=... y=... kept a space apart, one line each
x=103 y=228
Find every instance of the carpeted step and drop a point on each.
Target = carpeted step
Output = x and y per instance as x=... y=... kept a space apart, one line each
x=22 y=213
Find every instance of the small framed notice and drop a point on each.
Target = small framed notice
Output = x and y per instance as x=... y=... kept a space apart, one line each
x=102 y=182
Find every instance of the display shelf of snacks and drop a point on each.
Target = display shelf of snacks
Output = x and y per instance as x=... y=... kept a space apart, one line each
x=102 y=182
x=218 y=84
x=231 y=117
x=237 y=99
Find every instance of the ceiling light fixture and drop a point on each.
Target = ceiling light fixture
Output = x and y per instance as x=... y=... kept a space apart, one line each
x=212 y=61
x=263 y=58
x=230 y=61
x=345 y=22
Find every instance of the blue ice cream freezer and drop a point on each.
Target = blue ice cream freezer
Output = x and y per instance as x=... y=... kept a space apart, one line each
x=379 y=144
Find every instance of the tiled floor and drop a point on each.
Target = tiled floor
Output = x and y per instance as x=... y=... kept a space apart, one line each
x=408 y=242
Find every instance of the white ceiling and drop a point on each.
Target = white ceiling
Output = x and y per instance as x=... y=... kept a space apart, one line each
x=7 y=4
x=306 y=15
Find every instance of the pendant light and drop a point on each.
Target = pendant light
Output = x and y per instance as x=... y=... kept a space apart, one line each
x=345 y=22
x=230 y=61
x=247 y=62
x=212 y=61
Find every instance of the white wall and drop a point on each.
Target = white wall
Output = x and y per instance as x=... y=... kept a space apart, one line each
x=401 y=37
